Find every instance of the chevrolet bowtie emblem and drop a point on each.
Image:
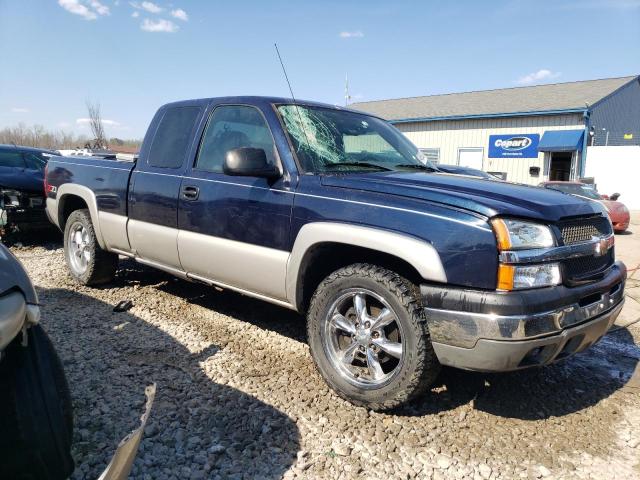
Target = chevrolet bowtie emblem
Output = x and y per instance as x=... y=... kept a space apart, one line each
x=602 y=247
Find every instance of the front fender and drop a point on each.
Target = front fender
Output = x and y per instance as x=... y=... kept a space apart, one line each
x=418 y=253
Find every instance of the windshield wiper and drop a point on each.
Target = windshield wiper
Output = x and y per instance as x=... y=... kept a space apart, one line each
x=358 y=164
x=416 y=166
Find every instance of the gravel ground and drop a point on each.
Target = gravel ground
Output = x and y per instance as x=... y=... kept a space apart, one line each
x=238 y=396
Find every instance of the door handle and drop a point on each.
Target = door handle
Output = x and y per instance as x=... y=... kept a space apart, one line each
x=190 y=193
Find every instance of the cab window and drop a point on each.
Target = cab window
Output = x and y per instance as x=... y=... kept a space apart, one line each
x=172 y=138
x=233 y=126
x=11 y=159
x=34 y=161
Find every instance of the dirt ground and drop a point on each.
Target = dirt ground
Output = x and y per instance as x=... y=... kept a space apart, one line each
x=238 y=396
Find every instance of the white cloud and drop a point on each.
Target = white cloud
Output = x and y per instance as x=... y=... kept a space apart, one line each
x=99 y=7
x=180 y=14
x=75 y=7
x=135 y=14
x=20 y=110
x=356 y=34
x=63 y=125
x=151 y=7
x=160 y=25
x=87 y=9
x=87 y=121
x=538 y=76
x=147 y=6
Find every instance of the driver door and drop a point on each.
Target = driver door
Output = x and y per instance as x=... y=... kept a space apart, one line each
x=234 y=230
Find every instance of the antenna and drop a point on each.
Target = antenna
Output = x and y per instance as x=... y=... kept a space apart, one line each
x=285 y=74
x=347 y=97
x=295 y=103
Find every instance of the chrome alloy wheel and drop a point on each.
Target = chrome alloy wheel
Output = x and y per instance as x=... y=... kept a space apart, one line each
x=79 y=253
x=363 y=338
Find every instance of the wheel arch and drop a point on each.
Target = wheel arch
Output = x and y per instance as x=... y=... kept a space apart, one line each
x=73 y=197
x=323 y=247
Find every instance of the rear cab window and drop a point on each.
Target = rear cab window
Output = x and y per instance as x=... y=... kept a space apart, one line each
x=35 y=161
x=11 y=159
x=173 y=136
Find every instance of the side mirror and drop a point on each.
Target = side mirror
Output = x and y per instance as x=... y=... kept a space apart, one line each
x=249 y=162
x=615 y=196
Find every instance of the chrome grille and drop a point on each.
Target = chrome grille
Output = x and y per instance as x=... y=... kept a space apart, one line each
x=584 y=269
x=582 y=230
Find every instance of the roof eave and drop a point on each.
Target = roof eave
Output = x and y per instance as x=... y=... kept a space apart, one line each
x=489 y=115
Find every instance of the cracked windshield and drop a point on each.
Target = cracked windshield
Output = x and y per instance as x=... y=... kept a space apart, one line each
x=329 y=140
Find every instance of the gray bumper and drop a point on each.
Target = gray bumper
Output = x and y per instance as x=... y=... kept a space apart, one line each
x=498 y=331
x=504 y=355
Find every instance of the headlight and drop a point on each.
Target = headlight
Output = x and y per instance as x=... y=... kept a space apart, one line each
x=522 y=235
x=517 y=277
x=518 y=235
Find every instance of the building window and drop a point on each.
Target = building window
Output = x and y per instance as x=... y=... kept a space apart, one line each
x=432 y=154
x=470 y=157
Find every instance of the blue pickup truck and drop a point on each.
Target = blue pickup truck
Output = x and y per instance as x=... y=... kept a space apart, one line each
x=335 y=214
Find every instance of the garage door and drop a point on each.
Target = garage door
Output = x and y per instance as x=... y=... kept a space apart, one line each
x=470 y=157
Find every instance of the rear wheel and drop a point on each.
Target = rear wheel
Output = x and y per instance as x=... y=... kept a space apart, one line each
x=88 y=263
x=36 y=420
x=368 y=337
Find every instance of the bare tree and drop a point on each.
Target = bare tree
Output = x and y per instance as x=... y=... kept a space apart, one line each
x=95 y=121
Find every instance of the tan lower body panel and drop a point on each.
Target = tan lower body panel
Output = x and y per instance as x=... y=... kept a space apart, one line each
x=243 y=265
x=114 y=231
x=154 y=242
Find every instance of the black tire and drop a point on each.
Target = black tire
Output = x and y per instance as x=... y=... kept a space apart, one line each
x=36 y=418
x=102 y=265
x=419 y=367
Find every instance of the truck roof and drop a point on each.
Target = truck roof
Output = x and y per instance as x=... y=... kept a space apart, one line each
x=261 y=100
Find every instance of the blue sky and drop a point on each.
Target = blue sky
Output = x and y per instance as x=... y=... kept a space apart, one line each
x=133 y=56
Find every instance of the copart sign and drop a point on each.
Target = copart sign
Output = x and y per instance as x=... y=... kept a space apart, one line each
x=518 y=145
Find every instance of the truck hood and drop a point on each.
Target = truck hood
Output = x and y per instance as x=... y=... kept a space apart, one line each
x=484 y=197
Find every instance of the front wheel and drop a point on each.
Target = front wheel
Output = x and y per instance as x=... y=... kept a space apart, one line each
x=369 y=338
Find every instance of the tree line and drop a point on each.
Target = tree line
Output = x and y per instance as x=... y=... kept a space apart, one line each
x=40 y=137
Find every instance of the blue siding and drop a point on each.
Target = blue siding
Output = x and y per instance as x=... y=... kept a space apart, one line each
x=618 y=114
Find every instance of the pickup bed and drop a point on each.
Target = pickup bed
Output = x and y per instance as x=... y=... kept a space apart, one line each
x=335 y=214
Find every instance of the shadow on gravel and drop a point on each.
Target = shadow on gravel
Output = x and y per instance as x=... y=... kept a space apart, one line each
x=567 y=387
x=197 y=429
x=225 y=302
x=49 y=238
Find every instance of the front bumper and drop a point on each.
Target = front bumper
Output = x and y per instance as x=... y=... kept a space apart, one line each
x=500 y=331
x=621 y=226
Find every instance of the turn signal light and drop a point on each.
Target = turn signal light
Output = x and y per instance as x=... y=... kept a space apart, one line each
x=505 y=277
x=502 y=234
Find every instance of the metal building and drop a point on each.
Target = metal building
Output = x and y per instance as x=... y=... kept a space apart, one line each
x=527 y=134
